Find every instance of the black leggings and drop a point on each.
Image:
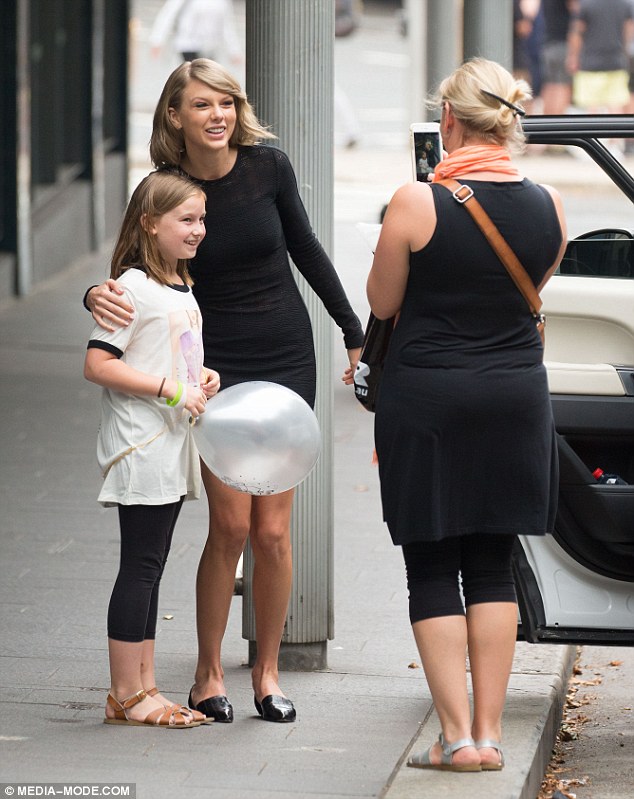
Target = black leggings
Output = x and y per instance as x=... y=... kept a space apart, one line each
x=146 y=536
x=436 y=570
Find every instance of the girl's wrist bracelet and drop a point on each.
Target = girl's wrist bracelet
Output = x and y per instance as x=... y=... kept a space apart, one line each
x=160 y=391
x=175 y=399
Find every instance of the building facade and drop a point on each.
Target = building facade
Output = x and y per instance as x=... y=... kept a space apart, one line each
x=63 y=138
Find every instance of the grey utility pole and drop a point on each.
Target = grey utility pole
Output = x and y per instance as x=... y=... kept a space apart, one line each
x=443 y=41
x=289 y=80
x=488 y=30
x=434 y=28
x=416 y=16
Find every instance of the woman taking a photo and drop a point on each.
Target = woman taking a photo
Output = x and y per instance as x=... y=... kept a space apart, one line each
x=464 y=430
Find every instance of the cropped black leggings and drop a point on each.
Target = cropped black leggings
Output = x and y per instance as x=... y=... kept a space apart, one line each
x=146 y=537
x=481 y=563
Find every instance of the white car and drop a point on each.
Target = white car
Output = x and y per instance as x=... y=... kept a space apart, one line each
x=577 y=586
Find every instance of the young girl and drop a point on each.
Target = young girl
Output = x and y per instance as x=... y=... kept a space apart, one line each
x=154 y=385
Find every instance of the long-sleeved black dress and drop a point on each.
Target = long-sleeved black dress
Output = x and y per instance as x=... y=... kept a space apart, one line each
x=464 y=428
x=255 y=323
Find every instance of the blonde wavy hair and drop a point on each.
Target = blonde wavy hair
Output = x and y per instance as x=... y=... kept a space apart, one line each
x=469 y=91
x=167 y=144
x=157 y=194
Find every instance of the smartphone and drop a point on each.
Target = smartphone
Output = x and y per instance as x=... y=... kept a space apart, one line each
x=426 y=147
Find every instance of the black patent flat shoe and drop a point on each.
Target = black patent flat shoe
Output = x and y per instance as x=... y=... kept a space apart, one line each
x=218 y=708
x=275 y=708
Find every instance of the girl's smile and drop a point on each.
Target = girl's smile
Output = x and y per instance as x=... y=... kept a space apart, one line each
x=179 y=231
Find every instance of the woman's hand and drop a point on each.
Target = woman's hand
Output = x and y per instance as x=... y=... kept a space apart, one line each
x=210 y=383
x=353 y=358
x=107 y=305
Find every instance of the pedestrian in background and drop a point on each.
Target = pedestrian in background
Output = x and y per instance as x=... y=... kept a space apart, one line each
x=598 y=42
x=255 y=327
x=346 y=22
x=464 y=429
x=557 y=85
x=154 y=382
x=197 y=28
x=527 y=42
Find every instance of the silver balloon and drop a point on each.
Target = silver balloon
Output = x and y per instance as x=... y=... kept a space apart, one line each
x=258 y=437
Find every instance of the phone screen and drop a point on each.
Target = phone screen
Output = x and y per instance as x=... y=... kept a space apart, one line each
x=427 y=154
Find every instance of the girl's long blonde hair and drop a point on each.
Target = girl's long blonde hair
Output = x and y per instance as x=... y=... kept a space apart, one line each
x=156 y=194
x=167 y=143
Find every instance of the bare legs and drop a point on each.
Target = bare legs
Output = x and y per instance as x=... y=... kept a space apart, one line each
x=556 y=98
x=125 y=677
x=233 y=517
x=492 y=631
x=272 y=577
x=215 y=580
x=488 y=632
x=442 y=644
x=148 y=679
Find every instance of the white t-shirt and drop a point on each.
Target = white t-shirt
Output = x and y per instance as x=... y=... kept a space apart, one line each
x=206 y=27
x=145 y=448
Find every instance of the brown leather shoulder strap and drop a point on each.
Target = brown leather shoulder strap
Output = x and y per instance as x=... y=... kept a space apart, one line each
x=464 y=195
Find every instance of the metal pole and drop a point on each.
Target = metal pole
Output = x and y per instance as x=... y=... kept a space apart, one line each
x=289 y=79
x=416 y=16
x=98 y=176
x=24 y=272
x=488 y=30
x=443 y=44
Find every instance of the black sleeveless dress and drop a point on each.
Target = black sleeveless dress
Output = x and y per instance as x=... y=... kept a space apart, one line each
x=464 y=429
x=255 y=323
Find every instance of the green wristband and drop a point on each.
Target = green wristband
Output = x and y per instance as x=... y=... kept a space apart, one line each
x=179 y=393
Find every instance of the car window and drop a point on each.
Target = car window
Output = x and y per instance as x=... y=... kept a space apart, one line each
x=599 y=215
x=596 y=257
x=592 y=201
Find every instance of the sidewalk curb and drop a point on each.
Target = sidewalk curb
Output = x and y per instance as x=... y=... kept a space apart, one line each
x=547 y=734
x=527 y=757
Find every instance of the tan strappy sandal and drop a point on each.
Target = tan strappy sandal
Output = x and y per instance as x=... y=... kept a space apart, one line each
x=168 y=718
x=196 y=715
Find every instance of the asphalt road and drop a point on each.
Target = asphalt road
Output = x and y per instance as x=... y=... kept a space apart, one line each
x=595 y=756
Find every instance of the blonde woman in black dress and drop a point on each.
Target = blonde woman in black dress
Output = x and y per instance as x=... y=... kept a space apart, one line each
x=464 y=429
x=255 y=327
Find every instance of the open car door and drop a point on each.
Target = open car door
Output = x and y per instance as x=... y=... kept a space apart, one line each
x=577 y=586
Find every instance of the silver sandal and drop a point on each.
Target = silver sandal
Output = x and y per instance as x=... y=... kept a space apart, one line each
x=489 y=743
x=423 y=760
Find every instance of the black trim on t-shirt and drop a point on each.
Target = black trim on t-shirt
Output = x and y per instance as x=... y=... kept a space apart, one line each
x=141 y=269
x=177 y=286
x=97 y=344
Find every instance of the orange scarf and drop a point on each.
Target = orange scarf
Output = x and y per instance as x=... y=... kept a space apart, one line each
x=476 y=158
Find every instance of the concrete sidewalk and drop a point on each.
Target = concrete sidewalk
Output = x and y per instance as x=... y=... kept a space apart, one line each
x=357 y=720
